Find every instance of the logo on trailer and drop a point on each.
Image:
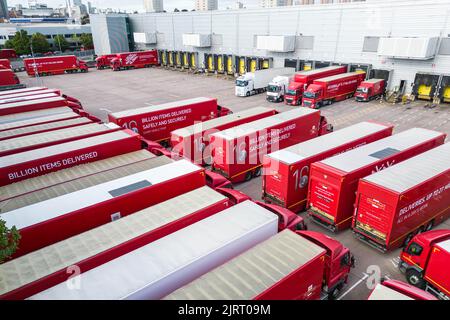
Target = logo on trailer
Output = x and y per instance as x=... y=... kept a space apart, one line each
x=131 y=58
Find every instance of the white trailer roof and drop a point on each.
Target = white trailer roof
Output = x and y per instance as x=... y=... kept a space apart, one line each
x=414 y=171
x=327 y=142
x=61 y=182
x=37 y=96
x=30 y=122
x=46 y=126
x=319 y=70
x=32 y=102
x=33 y=115
x=214 y=123
x=445 y=245
x=16 y=91
x=337 y=76
x=384 y=293
x=56 y=207
x=373 y=152
x=43 y=262
x=264 y=123
x=157 y=269
x=26 y=94
x=252 y=272
x=53 y=136
x=159 y=107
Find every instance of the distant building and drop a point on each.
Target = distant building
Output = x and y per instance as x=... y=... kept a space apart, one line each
x=238 y=5
x=77 y=3
x=3 y=9
x=276 y=3
x=203 y=5
x=153 y=5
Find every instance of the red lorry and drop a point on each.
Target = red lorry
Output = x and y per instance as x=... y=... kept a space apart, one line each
x=410 y=197
x=303 y=79
x=156 y=122
x=5 y=64
x=330 y=89
x=9 y=80
x=370 y=89
x=286 y=172
x=237 y=153
x=425 y=262
x=104 y=61
x=8 y=54
x=397 y=290
x=134 y=60
x=46 y=66
x=193 y=142
x=318 y=268
x=334 y=181
x=47 y=222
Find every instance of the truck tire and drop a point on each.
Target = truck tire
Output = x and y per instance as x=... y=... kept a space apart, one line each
x=257 y=172
x=334 y=294
x=429 y=225
x=408 y=239
x=247 y=94
x=415 y=278
x=248 y=176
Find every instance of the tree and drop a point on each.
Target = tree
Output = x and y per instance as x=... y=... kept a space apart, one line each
x=40 y=43
x=9 y=240
x=176 y=10
x=86 y=41
x=85 y=19
x=61 y=43
x=20 y=43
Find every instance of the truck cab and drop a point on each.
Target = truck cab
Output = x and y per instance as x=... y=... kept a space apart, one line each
x=294 y=94
x=244 y=85
x=338 y=263
x=416 y=255
x=312 y=97
x=82 y=66
x=370 y=89
x=277 y=88
x=104 y=61
x=325 y=127
x=116 y=64
x=286 y=218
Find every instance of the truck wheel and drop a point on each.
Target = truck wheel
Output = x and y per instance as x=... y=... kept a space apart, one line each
x=247 y=94
x=429 y=226
x=257 y=172
x=408 y=239
x=415 y=278
x=333 y=295
x=248 y=176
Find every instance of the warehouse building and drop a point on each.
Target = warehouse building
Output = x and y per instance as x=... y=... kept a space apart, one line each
x=404 y=40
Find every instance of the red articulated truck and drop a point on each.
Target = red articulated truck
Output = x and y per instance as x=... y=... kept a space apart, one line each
x=397 y=290
x=46 y=66
x=193 y=142
x=425 y=262
x=314 y=267
x=45 y=139
x=8 y=54
x=156 y=122
x=286 y=172
x=149 y=272
x=237 y=153
x=32 y=105
x=47 y=222
x=5 y=64
x=370 y=89
x=327 y=90
x=104 y=61
x=303 y=79
x=134 y=60
x=410 y=197
x=40 y=161
x=334 y=181
x=9 y=80
x=114 y=240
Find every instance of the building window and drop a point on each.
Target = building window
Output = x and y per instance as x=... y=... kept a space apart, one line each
x=371 y=44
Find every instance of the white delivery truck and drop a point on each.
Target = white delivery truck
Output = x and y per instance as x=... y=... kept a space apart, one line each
x=256 y=82
x=279 y=85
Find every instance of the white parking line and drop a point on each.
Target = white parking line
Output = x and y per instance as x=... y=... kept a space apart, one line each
x=354 y=286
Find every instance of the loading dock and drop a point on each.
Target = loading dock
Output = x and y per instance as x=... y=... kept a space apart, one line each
x=425 y=85
x=241 y=65
x=220 y=64
x=163 y=57
x=361 y=67
x=210 y=63
x=385 y=74
x=321 y=64
x=306 y=65
x=443 y=94
x=230 y=65
x=185 y=56
x=265 y=63
x=171 y=58
x=291 y=63
x=178 y=60
x=252 y=64
x=193 y=60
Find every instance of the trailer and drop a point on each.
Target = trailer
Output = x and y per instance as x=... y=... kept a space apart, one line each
x=32 y=105
x=303 y=79
x=327 y=90
x=256 y=82
x=25 y=91
x=334 y=181
x=156 y=122
x=134 y=60
x=9 y=80
x=46 y=139
x=104 y=61
x=27 y=95
x=30 y=116
x=395 y=204
x=22 y=124
x=149 y=272
x=370 y=89
x=425 y=262
x=49 y=221
x=306 y=265
x=397 y=290
x=8 y=54
x=54 y=65
x=193 y=142
x=237 y=153
x=286 y=172
x=41 y=161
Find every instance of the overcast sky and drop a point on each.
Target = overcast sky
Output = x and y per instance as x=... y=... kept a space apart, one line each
x=131 y=5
